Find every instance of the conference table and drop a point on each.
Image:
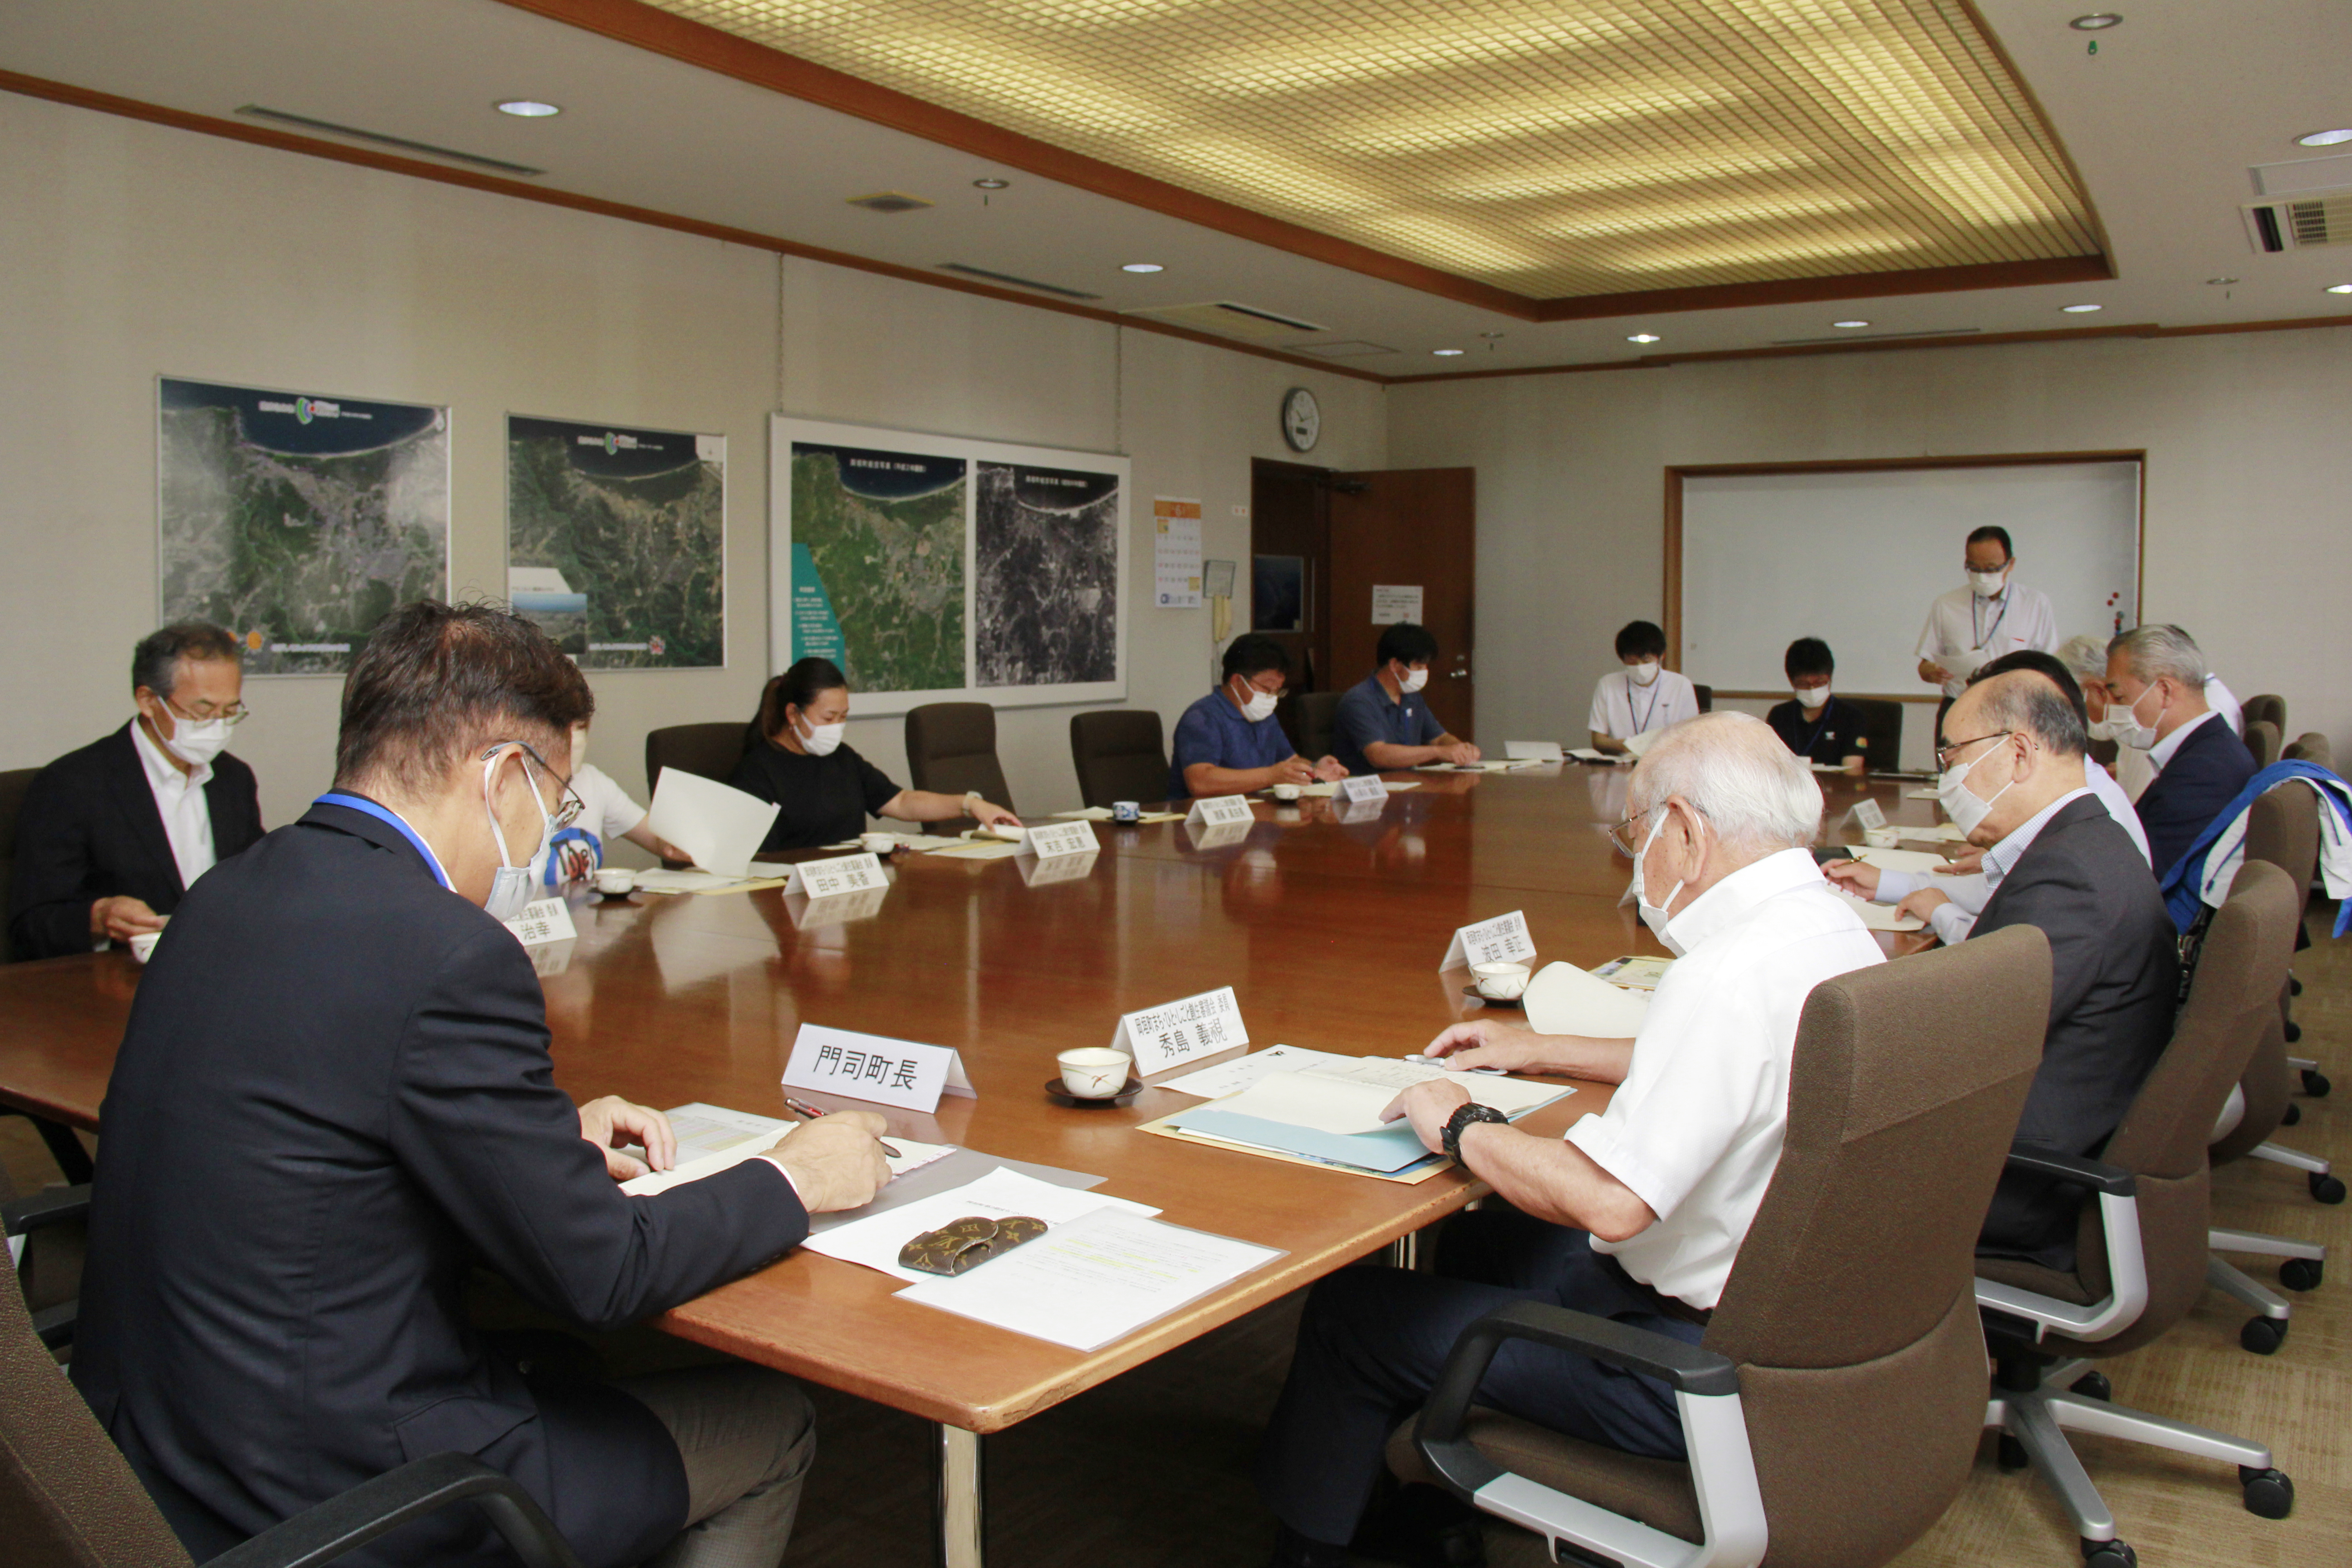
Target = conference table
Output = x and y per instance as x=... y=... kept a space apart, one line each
x=1327 y=919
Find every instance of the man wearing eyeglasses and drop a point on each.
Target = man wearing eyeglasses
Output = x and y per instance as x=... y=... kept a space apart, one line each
x=113 y=835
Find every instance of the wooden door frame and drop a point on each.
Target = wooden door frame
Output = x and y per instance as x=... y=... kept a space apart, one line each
x=1676 y=473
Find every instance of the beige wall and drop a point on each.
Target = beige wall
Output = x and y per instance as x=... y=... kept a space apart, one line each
x=2249 y=469
x=132 y=251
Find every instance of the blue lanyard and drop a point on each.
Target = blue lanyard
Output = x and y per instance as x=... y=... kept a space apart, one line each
x=360 y=803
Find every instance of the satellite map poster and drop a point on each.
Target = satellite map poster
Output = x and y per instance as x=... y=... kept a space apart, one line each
x=617 y=542
x=295 y=520
x=934 y=568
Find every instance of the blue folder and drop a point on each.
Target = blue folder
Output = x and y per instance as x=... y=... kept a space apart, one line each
x=1387 y=1150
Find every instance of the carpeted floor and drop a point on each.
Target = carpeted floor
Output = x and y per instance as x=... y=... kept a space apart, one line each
x=1153 y=1469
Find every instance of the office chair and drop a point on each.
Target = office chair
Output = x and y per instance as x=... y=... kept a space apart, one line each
x=1833 y=1408
x=2283 y=829
x=1118 y=756
x=2310 y=746
x=2141 y=1240
x=2263 y=740
x=1706 y=696
x=2269 y=708
x=14 y=783
x=952 y=748
x=1882 y=727
x=1315 y=716
x=708 y=751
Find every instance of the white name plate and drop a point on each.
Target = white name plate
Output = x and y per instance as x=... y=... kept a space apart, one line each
x=1533 y=750
x=1222 y=811
x=1178 y=1032
x=1357 y=788
x=1867 y=813
x=1503 y=940
x=1061 y=868
x=1061 y=838
x=870 y=1066
x=843 y=874
x=838 y=909
x=543 y=920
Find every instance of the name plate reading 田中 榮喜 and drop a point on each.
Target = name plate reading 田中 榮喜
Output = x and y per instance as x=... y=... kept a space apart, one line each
x=542 y=920
x=1221 y=811
x=1503 y=940
x=842 y=874
x=1359 y=787
x=1175 y=1033
x=1061 y=838
x=871 y=1066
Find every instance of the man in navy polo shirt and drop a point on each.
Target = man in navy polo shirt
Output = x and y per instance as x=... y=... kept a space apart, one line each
x=1384 y=721
x=1228 y=743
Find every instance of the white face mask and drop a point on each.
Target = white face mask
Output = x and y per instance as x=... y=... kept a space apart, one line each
x=1987 y=584
x=820 y=740
x=2139 y=737
x=2112 y=728
x=1812 y=696
x=197 y=742
x=1963 y=807
x=1414 y=680
x=1654 y=916
x=1258 y=706
x=1643 y=673
x=510 y=884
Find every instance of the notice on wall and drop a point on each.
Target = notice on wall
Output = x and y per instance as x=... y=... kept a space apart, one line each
x=1176 y=552
x=1393 y=603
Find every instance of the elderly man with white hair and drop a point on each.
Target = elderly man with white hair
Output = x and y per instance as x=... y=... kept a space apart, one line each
x=2156 y=686
x=1639 y=1212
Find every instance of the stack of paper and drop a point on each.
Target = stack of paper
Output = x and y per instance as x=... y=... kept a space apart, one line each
x=1942 y=832
x=1898 y=859
x=1331 y=1113
x=711 y=1139
x=719 y=828
x=1565 y=1000
x=874 y=1242
x=691 y=882
x=1233 y=1077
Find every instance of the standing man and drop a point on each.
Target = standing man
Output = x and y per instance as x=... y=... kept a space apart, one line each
x=2156 y=686
x=1643 y=697
x=1992 y=616
x=113 y=835
x=1384 y=721
x=1228 y=743
x=334 y=1099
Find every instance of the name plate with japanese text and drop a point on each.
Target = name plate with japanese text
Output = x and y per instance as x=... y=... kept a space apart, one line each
x=842 y=874
x=1359 y=787
x=869 y=1066
x=1503 y=940
x=1061 y=838
x=1221 y=811
x=1178 y=1032
x=1869 y=815
x=543 y=920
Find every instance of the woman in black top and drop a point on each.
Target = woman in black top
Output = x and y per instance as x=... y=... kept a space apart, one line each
x=826 y=788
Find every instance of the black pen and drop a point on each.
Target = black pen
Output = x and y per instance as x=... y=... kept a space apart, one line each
x=803 y=1108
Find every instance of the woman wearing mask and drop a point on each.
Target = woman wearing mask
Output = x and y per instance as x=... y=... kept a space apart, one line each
x=1643 y=697
x=825 y=789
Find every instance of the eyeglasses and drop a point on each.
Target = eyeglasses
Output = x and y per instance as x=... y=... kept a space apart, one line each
x=570 y=810
x=233 y=715
x=1620 y=838
x=1945 y=755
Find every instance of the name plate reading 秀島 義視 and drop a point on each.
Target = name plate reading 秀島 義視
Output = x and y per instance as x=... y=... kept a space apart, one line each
x=869 y=1066
x=1222 y=811
x=1503 y=940
x=543 y=920
x=1061 y=838
x=842 y=874
x=1868 y=815
x=1178 y=1032
x=1364 y=787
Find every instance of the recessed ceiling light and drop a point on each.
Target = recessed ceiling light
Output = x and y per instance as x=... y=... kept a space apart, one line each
x=1642 y=337
x=1849 y=324
x=2098 y=21
x=2078 y=310
x=2217 y=283
x=2339 y=287
x=989 y=184
x=527 y=108
x=1446 y=353
x=1141 y=267
x=2324 y=139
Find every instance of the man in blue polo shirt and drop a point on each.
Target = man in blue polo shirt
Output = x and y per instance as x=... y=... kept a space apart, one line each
x=1384 y=721
x=1228 y=743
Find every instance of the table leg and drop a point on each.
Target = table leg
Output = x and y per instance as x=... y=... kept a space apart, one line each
x=1405 y=1252
x=956 y=1499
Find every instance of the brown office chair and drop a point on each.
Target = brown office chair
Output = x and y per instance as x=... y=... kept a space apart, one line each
x=2141 y=1248
x=1705 y=695
x=2263 y=740
x=708 y=751
x=1882 y=728
x=2313 y=747
x=1118 y=756
x=1315 y=716
x=13 y=783
x=2267 y=708
x=1832 y=1410
x=952 y=748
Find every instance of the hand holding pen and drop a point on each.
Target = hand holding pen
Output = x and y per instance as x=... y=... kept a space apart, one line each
x=801 y=1107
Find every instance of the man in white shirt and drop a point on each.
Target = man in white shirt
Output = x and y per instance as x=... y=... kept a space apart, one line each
x=1993 y=615
x=1637 y=1213
x=1643 y=698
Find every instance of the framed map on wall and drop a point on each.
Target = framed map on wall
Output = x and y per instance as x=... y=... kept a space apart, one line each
x=935 y=569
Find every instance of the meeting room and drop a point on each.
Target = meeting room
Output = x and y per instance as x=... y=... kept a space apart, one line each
x=1203 y=787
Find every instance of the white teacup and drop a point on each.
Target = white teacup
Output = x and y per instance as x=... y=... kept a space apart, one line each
x=1503 y=982
x=1880 y=837
x=1094 y=1072
x=878 y=843
x=143 y=946
x=1286 y=792
x=613 y=881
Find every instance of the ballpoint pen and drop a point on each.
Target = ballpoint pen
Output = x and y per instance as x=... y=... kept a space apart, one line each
x=803 y=1108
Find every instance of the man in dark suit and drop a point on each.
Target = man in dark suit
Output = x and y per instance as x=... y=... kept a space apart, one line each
x=113 y=835
x=2157 y=675
x=2013 y=750
x=334 y=1098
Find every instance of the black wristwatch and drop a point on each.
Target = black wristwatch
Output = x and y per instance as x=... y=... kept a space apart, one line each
x=1464 y=1116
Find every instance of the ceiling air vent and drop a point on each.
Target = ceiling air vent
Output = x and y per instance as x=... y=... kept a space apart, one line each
x=971 y=272
x=2300 y=225
x=1230 y=319
x=281 y=117
x=1354 y=348
x=890 y=202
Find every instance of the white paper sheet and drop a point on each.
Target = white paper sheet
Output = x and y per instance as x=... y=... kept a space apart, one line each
x=1641 y=742
x=1511 y=1096
x=719 y=827
x=1878 y=916
x=711 y=1139
x=874 y=1242
x=1925 y=792
x=1096 y=1280
x=1233 y=1077
x=1564 y=1000
x=1349 y=1099
x=687 y=882
x=975 y=849
x=1943 y=832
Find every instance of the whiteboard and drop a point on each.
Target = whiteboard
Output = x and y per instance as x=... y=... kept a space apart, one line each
x=1855 y=557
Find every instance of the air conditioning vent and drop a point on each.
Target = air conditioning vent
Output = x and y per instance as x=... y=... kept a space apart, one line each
x=890 y=202
x=1354 y=348
x=971 y=272
x=2274 y=226
x=1230 y=319
x=282 y=117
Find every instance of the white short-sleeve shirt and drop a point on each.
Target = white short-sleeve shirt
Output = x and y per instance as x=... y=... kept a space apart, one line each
x=1695 y=1129
x=1960 y=621
x=1622 y=710
x=579 y=848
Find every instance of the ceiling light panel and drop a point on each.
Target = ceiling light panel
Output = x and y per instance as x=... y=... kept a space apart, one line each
x=1547 y=147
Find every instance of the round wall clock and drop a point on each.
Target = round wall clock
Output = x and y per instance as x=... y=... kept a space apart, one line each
x=1302 y=419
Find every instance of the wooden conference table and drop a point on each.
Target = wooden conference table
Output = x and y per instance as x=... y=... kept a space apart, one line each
x=1328 y=921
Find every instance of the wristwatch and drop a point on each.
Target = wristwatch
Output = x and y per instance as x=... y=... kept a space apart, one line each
x=971 y=798
x=1464 y=1116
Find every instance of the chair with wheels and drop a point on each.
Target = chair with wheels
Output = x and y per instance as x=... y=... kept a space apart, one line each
x=2141 y=1240
x=1833 y=1408
x=1119 y=755
x=951 y=750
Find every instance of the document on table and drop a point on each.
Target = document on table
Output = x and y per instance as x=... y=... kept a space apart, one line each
x=976 y=849
x=1565 y=1000
x=1094 y=1280
x=1925 y=792
x=875 y=1242
x=1587 y=754
x=701 y=882
x=1943 y=832
x=719 y=827
x=1642 y=741
x=1233 y=1077
x=1878 y=916
x=1349 y=1099
x=711 y=1139
x=1898 y=859
x=1103 y=814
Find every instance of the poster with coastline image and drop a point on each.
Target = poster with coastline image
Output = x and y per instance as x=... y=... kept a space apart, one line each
x=297 y=521
x=617 y=542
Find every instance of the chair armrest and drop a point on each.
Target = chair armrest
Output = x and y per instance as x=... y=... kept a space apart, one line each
x=51 y=1205
x=1683 y=1367
x=2113 y=1181
x=351 y=1520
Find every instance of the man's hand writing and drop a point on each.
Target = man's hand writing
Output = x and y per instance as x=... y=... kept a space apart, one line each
x=611 y=1121
x=1853 y=875
x=835 y=1162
